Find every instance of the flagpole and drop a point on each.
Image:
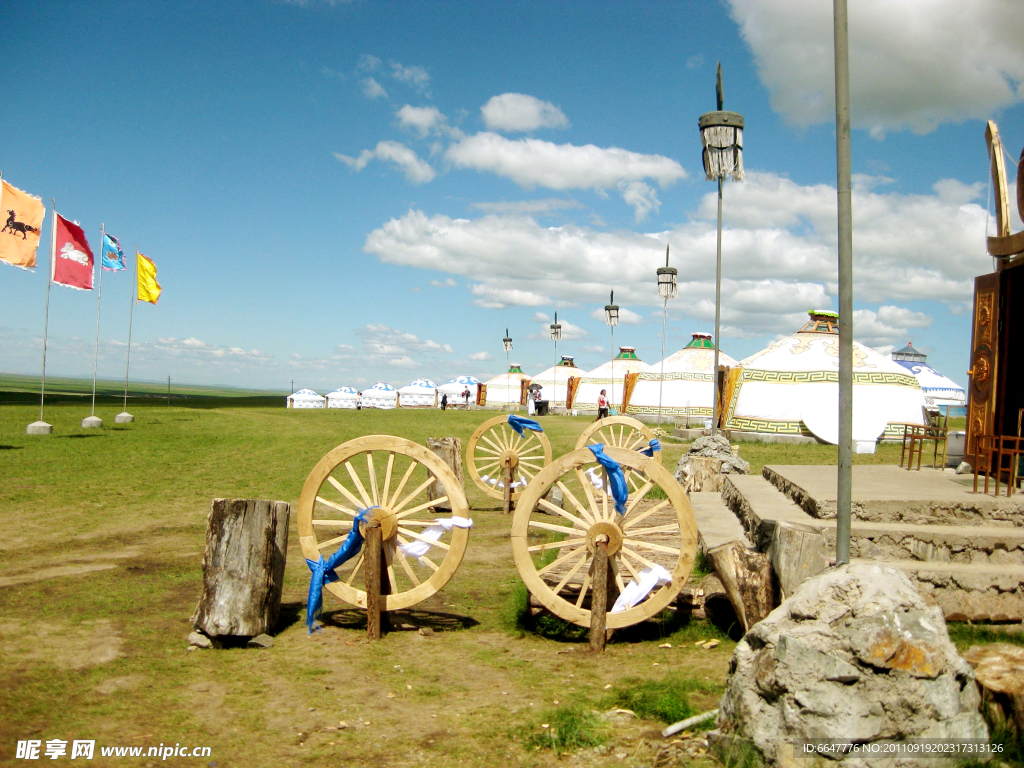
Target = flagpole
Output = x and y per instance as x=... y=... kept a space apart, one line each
x=92 y=420
x=41 y=427
x=125 y=417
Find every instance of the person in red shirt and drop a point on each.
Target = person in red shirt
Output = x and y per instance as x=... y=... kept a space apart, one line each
x=602 y=405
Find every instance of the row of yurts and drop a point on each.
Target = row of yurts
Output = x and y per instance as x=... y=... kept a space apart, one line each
x=791 y=387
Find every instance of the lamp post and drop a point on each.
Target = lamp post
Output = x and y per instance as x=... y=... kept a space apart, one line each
x=556 y=334
x=721 y=133
x=507 y=342
x=667 y=289
x=611 y=317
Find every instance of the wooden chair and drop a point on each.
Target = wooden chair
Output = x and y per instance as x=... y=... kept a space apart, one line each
x=914 y=438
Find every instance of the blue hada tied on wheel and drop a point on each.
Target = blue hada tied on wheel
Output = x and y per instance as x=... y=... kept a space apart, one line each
x=323 y=570
x=616 y=478
x=518 y=423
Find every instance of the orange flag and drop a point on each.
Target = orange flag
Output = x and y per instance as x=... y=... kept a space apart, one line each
x=19 y=237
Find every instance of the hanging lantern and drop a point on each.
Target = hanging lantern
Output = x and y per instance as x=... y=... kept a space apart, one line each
x=556 y=329
x=721 y=133
x=611 y=312
x=507 y=341
x=667 y=288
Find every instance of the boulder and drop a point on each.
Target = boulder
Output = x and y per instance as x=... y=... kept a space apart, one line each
x=712 y=447
x=854 y=654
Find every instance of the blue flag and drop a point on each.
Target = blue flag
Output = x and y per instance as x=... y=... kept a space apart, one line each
x=112 y=257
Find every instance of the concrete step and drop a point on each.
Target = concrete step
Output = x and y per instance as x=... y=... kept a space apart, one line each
x=889 y=494
x=716 y=523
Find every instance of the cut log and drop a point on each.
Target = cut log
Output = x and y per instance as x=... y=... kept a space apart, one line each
x=999 y=670
x=703 y=473
x=243 y=568
x=748 y=580
x=797 y=552
x=599 y=595
x=450 y=451
x=375 y=575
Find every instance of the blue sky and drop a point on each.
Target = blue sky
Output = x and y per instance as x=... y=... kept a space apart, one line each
x=340 y=192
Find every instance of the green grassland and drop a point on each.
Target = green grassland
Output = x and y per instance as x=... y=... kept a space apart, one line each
x=101 y=569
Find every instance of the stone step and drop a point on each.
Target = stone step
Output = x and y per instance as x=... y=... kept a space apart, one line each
x=889 y=494
x=716 y=523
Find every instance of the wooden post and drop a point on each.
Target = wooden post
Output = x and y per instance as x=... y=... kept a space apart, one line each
x=374 y=579
x=599 y=595
x=243 y=568
x=450 y=451
x=748 y=580
x=506 y=503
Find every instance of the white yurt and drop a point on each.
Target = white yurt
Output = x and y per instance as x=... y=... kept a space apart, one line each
x=343 y=397
x=939 y=391
x=687 y=386
x=421 y=393
x=609 y=376
x=792 y=388
x=380 y=395
x=507 y=388
x=305 y=398
x=555 y=380
x=457 y=386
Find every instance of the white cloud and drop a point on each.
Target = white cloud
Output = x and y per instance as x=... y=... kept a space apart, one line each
x=528 y=207
x=414 y=76
x=425 y=121
x=519 y=112
x=889 y=325
x=373 y=89
x=416 y=170
x=641 y=196
x=593 y=349
x=779 y=254
x=446 y=283
x=913 y=64
x=480 y=356
x=368 y=63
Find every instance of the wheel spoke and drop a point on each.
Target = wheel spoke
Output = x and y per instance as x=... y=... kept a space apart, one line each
x=407 y=568
x=651 y=545
x=644 y=515
x=421 y=558
x=555 y=545
x=396 y=508
x=344 y=491
x=490 y=442
x=629 y=566
x=421 y=507
x=571 y=572
x=482 y=449
x=401 y=485
x=560 y=560
x=355 y=569
x=333 y=523
x=583 y=591
x=584 y=512
x=667 y=528
x=636 y=555
x=373 y=478
x=335 y=506
x=588 y=490
x=486 y=467
x=638 y=497
x=358 y=484
x=329 y=542
x=552 y=527
x=424 y=539
x=619 y=582
x=556 y=510
x=604 y=497
x=387 y=479
x=636 y=443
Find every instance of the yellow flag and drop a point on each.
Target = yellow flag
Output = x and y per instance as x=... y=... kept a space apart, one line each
x=149 y=288
x=19 y=236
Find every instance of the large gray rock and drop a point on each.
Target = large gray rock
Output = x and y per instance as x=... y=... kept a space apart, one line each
x=854 y=654
x=713 y=447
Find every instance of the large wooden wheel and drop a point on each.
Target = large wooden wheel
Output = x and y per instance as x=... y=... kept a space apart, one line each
x=393 y=475
x=620 y=432
x=554 y=547
x=493 y=443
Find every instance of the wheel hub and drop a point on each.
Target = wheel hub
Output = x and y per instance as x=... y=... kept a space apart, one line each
x=609 y=529
x=509 y=458
x=388 y=522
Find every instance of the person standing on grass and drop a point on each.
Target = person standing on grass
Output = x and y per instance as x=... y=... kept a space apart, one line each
x=602 y=405
x=359 y=401
x=444 y=401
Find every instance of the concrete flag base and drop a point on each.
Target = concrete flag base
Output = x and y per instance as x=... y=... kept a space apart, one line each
x=124 y=418
x=39 y=428
x=91 y=421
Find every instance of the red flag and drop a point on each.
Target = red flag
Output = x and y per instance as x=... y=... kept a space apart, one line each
x=72 y=260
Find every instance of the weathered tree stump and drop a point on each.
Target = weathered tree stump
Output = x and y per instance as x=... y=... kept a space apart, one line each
x=599 y=596
x=999 y=670
x=703 y=474
x=748 y=580
x=376 y=581
x=243 y=568
x=797 y=552
x=449 y=449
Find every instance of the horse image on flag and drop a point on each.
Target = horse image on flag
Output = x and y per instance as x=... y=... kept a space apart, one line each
x=19 y=236
x=16 y=226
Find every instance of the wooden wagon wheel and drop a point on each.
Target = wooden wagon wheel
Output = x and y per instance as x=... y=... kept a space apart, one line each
x=620 y=432
x=493 y=443
x=394 y=475
x=659 y=530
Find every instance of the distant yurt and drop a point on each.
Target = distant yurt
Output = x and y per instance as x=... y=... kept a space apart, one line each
x=457 y=386
x=506 y=389
x=380 y=395
x=421 y=393
x=555 y=380
x=792 y=388
x=609 y=376
x=343 y=397
x=305 y=398
x=939 y=391
x=686 y=389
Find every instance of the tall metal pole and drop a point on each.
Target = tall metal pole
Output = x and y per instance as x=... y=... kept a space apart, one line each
x=845 y=467
x=664 y=330
x=611 y=400
x=46 y=315
x=96 y=349
x=131 y=318
x=718 y=312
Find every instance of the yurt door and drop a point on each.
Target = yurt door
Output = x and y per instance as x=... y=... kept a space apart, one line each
x=984 y=345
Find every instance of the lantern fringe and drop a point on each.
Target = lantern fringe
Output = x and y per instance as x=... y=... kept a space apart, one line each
x=723 y=152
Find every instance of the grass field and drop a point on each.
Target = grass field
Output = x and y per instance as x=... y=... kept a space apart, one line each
x=101 y=570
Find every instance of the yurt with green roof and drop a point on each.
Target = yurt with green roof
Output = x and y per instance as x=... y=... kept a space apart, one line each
x=554 y=382
x=506 y=389
x=681 y=386
x=792 y=388
x=609 y=376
